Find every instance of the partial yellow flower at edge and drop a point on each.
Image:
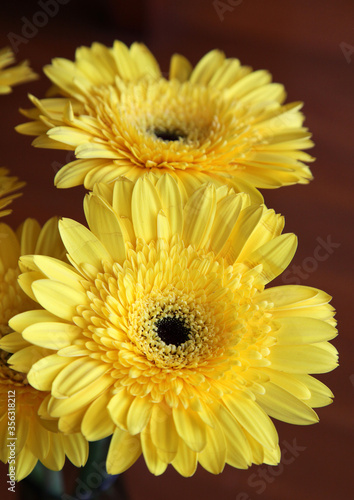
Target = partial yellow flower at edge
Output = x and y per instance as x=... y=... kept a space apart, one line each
x=25 y=437
x=7 y=187
x=166 y=336
x=218 y=121
x=15 y=74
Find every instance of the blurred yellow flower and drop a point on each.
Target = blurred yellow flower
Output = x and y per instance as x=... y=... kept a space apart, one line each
x=25 y=437
x=15 y=74
x=7 y=187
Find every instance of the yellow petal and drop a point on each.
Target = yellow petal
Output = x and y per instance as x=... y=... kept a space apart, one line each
x=105 y=225
x=155 y=465
x=213 y=456
x=206 y=67
x=163 y=433
x=297 y=330
x=227 y=213
x=118 y=408
x=60 y=407
x=123 y=451
x=146 y=205
x=282 y=405
x=139 y=415
x=180 y=68
x=83 y=246
x=238 y=452
x=51 y=335
x=199 y=213
x=58 y=271
x=76 y=376
x=274 y=256
x=190 y=427
x=97 y=423
x=321 y=395
x=302 y=359
x=44 y=371
x=185 y=461
x=253 y=419
x=76 y=449
x=171 y=200
x=27 y=318
x=58 y=298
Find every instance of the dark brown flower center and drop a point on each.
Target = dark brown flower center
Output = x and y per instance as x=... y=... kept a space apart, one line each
x=172 y=331
x=167 y=136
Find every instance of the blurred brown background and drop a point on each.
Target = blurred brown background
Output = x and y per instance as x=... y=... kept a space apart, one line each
x=309 y=47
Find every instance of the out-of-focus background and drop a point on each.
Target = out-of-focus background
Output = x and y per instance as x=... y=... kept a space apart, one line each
x=309 y=47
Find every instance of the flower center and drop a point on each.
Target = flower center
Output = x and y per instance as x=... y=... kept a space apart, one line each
x=172 y=331
x=167 y=136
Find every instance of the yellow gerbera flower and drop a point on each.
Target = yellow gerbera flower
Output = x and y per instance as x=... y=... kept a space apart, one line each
x=161 y=331
x=219 y=121
x=7 y=187
x=14 y=75
x=25 y=437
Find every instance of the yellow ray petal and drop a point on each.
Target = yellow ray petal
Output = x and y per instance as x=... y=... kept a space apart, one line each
x=83 y=246
x=297 y=330
x=97 y=423
x=51 y=335
x=185 y=461
x=146 y=205
x=274 y=256
x=58 y=298
x=282 y=405
x=199 y=213
x=171 y=200
x=139 y=415
x=105 y=225
x=123 y=451
x=190 y=428
x=58 y=271
x=155 y=465
x=227 y=213
x=213 y=456
x=253 y=419
x=302 y=359
x=27 y=318
x=180 y=68
x=238 y=452
x=118 y=408
x=76 y=449
x=206 y=67
x=76 y=376
x=163 y=433
x=60 y=407
x=321 y=395
x=44 y=371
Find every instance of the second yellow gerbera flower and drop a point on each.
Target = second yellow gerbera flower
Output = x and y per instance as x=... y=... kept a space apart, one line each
x=218 y=121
